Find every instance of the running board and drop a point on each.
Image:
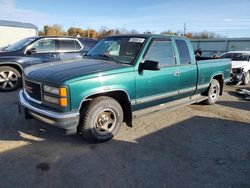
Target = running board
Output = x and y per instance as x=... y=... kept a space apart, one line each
x=170 y=105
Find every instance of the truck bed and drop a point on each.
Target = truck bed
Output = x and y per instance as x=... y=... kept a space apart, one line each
x=208 y=68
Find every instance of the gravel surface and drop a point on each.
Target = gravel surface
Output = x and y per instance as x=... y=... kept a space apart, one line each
x=195 y=146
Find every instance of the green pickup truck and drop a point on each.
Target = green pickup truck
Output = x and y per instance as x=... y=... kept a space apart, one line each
x=122 y=77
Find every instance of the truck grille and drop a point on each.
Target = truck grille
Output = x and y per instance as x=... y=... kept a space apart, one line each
x=33 y=90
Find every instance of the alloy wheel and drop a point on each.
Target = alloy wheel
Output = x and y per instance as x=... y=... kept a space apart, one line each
x=105 y=121
x=8 y=79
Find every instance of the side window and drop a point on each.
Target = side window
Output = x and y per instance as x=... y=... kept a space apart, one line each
x=161 y=51
x=69 y=45
x=183 y=52
x=45 y=45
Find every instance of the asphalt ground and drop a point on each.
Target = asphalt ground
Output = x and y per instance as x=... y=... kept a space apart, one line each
x=194 y=146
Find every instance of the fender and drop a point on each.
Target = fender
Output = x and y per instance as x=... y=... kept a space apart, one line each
x=11 y=63
x=217 y=74
x=87 y=98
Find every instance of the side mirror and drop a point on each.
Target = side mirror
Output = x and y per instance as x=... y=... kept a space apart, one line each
x=150 y=65
x=31 y=51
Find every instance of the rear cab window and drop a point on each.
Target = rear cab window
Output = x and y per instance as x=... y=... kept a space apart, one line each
x=161 y=50
x=182 y=47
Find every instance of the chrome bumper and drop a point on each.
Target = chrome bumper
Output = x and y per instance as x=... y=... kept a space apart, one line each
x=64 y=120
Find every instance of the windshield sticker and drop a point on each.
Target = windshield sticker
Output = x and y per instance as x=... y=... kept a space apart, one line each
x=137 y=40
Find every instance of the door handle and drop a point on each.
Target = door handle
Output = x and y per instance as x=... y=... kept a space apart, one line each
x=177 y=73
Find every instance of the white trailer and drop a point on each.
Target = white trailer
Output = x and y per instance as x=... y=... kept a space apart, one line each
x=11 y=32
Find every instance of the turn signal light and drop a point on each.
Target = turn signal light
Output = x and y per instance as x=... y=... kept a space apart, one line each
x=63 y=92
x=63 y=102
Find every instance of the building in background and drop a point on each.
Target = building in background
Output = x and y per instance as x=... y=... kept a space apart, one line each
x=11 y=32
x=214 y=47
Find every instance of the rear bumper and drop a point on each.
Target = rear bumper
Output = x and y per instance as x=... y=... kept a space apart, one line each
x=67 y=121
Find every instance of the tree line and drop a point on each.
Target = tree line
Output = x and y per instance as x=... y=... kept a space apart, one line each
x=57 y=30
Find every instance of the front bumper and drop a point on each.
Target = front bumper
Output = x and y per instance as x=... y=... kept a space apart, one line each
x=237 y=75
x=67 y=121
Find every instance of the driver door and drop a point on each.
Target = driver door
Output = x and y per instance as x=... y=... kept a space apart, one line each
x=156 y=87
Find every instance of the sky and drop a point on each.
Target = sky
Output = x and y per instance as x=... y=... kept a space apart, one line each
x=230 y=18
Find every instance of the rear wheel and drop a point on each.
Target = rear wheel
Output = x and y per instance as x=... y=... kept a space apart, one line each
x=101 y=119
x=10 y=79
x=213 y=92
x=246 y=78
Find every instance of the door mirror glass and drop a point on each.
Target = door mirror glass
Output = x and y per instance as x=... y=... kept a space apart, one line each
x=31 y=51
x=150 y=65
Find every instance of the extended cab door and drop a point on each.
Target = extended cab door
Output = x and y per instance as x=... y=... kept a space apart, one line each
x=156 y=87
x=187 y=69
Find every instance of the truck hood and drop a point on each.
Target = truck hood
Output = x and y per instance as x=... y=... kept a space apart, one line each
x=56 y=73
x=239 y=64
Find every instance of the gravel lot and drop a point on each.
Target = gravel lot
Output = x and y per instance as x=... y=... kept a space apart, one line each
x=195 y=146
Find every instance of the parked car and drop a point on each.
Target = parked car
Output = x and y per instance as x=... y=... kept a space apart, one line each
x=240 y=66
x=121 y=77
x=35 y=50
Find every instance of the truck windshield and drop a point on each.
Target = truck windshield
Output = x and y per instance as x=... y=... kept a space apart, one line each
x=19 y=45
x=118 y=49
x=236 y=56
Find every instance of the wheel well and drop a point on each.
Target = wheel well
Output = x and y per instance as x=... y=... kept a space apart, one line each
x=18 y=68
x=221 y=81
x=121 y=97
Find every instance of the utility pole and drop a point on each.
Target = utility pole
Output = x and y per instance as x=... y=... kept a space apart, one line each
x=88 y=32
x=185 y=29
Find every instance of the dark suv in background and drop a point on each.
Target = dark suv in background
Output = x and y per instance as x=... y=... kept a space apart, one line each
x=36 y=50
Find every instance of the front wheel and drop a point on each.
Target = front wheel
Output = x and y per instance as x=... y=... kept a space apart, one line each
x=100 y=119
x=10 y=79
x=213 y=92
x=246 y=78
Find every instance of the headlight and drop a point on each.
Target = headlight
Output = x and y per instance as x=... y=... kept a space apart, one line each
x=49 y=99
x=52 y=90
x=60 y=97
x=62 y=91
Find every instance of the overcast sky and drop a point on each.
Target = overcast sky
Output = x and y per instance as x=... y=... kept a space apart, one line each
x=225 y=17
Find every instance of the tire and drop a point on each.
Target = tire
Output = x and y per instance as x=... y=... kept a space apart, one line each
x=100 y=120
x=10 y=79
x=213 y=92
x=246 y=78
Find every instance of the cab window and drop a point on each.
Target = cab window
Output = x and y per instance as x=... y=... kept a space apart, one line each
x=182 y=47
x=69 y=45
x=162 y=52
x=45 y=45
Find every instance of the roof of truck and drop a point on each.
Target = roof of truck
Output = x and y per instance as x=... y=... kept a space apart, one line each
x=147 y=35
